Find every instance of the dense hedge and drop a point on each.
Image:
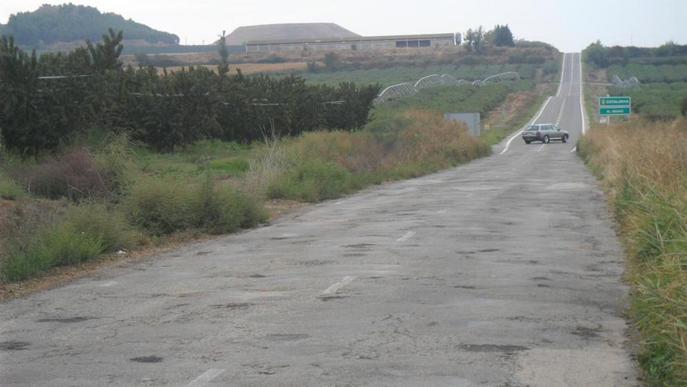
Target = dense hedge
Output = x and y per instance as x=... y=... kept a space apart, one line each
x=162 y=110
x=602 y=56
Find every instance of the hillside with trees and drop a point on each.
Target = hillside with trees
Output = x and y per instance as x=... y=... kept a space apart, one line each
x=51 y=24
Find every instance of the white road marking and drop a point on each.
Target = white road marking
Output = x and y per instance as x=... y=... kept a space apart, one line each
x=573 y=150
x=582 y=98
x=108 y=284
x=560 y=84
x=516 y=135
x=406 y=236
x=572 y=73
x=541 y=147
x=206 y=377
x=560 y=112
x=570 y=85
x=338 y=286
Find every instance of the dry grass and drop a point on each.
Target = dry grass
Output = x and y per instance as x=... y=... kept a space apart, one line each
x=644 y=168
x=322 y=165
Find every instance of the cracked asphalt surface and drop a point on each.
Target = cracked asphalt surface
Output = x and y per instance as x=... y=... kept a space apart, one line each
x=502 y=272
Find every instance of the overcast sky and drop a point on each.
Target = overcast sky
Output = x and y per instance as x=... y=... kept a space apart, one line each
x=570 y=25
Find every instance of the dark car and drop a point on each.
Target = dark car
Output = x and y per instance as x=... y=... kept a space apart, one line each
x=545 y=133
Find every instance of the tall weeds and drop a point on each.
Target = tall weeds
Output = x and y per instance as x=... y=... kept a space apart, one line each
x=644 y=168
x=325 y=165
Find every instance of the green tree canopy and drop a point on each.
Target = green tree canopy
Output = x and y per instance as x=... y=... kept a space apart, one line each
x=502 y=36
x=69 y=23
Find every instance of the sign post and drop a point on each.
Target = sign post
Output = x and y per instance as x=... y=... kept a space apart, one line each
x=614 y=106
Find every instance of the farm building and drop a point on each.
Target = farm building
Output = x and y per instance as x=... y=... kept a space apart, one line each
x=355 y=43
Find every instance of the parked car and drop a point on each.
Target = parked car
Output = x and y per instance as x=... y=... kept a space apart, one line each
x=545 y=133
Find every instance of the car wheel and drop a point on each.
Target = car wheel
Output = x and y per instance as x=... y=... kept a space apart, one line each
x=527 y=142
x=546 y=140
x=564 y=139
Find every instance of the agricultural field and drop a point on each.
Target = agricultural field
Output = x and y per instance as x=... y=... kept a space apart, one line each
x=656 y=101
x=650 y=73
x=662 y=93
x=393 y=75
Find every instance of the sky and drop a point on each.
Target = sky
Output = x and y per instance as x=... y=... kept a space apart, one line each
x=568 y=25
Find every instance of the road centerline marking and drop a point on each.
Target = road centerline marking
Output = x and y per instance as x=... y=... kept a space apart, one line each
x=206 y=377
x=406 y=236
x=516 y=135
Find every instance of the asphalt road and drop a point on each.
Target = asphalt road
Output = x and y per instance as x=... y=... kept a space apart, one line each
x=502 y=272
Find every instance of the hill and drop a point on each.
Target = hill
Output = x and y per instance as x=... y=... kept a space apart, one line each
x=52 y=24
x=290 y=31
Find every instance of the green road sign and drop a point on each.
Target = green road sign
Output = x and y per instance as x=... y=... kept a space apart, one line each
x=615 y=111
x=615 y=106
x=615 y=101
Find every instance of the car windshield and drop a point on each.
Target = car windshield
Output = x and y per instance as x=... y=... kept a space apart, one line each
x=532 y=128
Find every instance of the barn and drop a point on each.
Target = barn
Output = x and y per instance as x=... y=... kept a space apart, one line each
x=355 y=43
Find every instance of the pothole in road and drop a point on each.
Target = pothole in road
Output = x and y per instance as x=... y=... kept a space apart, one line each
x=360 y=246
x=569 y=187
x=313 y=262
x=147 y=359
x=492 y=348
x=287 y=336
x=65 y=320
x=233 y=306
x=331 y=297
x=585 y=332
x=13 y=345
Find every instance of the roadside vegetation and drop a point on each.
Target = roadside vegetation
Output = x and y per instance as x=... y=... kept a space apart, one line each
x=161 y=157
x=646 y=179
x=642 y=163
x=662 y=72
x=88 y=201
x=398 y=74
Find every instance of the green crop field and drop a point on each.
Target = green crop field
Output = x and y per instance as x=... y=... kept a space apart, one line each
x=650 y=73
x=656 y=100
x=393 y=75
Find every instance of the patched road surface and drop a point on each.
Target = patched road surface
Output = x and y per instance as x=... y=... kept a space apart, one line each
x=502 y=272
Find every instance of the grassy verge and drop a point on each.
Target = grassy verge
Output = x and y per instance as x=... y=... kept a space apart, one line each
x=89 y=201
x=139 y=197
x=326 y=165
x=646 y=179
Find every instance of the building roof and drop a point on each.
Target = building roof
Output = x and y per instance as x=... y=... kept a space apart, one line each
x=351 y=40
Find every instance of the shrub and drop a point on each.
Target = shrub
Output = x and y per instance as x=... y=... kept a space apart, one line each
x=312 y=181
x=164 y=206
x=159 y=206
x=108 y=226
x=9 y=189
x=48 y=247
x=74 y=175
x=41 y=237
x=230 y=166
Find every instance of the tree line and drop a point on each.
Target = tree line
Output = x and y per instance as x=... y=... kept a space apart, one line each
x=69 y=23
x=604 y=56
x=49 y=100
x=477 y=40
